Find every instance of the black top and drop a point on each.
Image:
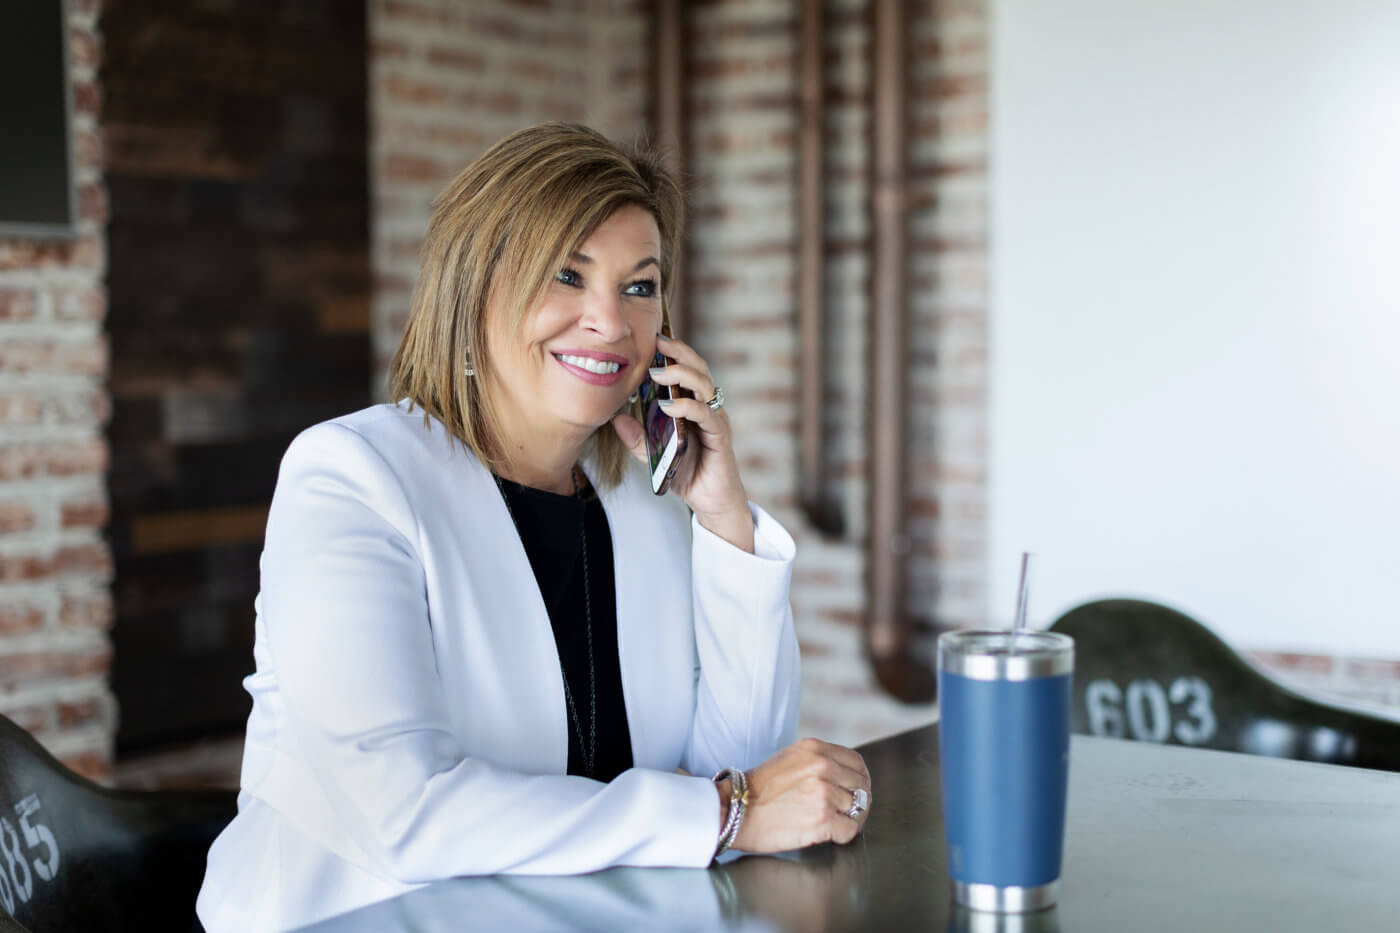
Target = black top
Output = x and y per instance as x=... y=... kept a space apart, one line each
x=548 y=524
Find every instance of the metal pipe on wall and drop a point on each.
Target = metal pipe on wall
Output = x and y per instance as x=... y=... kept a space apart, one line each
x=889 y=626
x=669 y=66
x=821 y=511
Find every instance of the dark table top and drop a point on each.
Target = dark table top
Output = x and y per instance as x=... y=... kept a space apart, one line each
x=1159 y=838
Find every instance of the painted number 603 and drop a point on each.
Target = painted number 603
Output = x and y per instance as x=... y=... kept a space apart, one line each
x=1148 y=712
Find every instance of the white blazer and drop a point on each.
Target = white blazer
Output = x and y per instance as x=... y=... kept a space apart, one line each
x=409 y=721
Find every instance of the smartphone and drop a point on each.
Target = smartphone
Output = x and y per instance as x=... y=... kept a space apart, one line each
x=665 y=435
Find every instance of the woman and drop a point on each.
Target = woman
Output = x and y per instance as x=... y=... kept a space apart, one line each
x=482 y=644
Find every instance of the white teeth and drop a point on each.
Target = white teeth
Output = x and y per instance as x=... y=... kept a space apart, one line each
x=590 y=364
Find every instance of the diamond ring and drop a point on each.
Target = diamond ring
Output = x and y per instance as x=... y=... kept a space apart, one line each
x=716 y=402
x=860 y=802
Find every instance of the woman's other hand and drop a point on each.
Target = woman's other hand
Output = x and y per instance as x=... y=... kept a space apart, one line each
x=708 y=475
x=801 y=797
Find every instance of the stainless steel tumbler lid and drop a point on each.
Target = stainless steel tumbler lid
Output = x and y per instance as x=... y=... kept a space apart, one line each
x=984 y=655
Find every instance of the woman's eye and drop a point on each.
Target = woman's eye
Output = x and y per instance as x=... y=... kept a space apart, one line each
x=569 y=277
x=645 y=288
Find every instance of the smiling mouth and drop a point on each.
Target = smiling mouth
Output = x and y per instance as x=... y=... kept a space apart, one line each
x=600 y=367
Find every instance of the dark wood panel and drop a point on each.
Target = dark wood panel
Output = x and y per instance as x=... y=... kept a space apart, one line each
x=236 y=139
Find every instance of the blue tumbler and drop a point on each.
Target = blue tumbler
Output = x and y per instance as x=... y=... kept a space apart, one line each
x=1003 y=711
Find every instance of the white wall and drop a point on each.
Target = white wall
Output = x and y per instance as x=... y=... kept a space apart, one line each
x=1195 y=389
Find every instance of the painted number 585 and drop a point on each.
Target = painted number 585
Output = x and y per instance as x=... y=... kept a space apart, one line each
x=16 y=879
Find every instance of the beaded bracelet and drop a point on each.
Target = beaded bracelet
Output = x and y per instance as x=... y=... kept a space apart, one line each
x=738 y=802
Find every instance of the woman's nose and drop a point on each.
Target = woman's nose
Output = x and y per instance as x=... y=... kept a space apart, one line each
x=603 y=314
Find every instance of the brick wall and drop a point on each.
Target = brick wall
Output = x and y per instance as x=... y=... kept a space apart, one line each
x=449 y=78
x=54 y=566
x=1370 y=682
x=743 y=110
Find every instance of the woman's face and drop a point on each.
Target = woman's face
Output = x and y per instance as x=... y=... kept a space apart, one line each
x=588 y=345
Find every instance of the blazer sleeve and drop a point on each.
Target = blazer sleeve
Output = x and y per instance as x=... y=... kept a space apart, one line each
x=750 y=680
x=344 y=609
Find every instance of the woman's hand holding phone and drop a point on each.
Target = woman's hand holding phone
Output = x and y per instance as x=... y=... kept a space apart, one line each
x=707 y=477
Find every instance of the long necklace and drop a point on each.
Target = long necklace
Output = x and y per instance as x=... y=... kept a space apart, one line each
x=590 y=751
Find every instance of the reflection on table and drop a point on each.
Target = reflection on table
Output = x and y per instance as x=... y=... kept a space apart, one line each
x=1160 y=838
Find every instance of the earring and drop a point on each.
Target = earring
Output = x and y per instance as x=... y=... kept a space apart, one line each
x=632 y=399
x=468 y=370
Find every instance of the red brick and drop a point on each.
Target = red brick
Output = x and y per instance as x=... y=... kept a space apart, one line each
x=929 y=48
x=388 y=50
x=87 y=148
x=402 y=167
x=497 y=103
x=561 y=108
x=18 y=304
x=749 y=65
x=398 y=87
x=1294 y=662
x=21 y=667
x=75 y=713
x=843 y=616
x=727 y=141
x=87 y=98
x=70 y=459
x=94 y=559
x=14 y=517
x=717 y=31
x=456 y=59
x=761 y=323
x=465 y=138
x=86 y=610
x=77 y=559
x=92 y=202
x=544 y=72
x=948 y=87
x=399 y=248
x=20 y=409
x=83 y=48
x=750 y=462
x=87 y=357
x=23 y=567
x=819 y=578
x=84 y=514
x=16 y=618
x=402 y=11
x=84 y=252
x=923 y=507
x=1372 y=670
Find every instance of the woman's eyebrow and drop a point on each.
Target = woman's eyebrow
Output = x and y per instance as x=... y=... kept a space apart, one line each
x=585 y=259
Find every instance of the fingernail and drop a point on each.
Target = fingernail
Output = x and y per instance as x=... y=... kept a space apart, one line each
x=665 y=403
x=656 y=371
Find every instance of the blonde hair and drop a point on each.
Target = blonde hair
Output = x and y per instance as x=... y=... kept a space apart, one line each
x=506 y=226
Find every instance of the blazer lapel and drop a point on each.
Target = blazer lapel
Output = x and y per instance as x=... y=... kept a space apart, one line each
x=510 y=616
x=651 y=574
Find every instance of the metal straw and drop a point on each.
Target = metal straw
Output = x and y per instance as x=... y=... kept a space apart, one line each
x=1023 y=595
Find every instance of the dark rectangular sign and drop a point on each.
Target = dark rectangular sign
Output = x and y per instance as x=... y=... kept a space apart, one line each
x=36 y=173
